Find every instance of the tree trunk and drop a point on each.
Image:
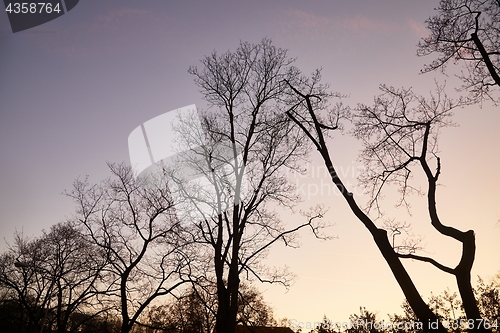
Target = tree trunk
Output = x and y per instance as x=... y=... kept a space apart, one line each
x=421 y=309
x=486 y=58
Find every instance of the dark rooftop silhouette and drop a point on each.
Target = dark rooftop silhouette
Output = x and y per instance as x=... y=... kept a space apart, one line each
x=262 y=329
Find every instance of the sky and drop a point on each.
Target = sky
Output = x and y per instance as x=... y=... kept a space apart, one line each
x=72 y=90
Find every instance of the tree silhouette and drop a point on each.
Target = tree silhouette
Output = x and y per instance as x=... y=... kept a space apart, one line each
x=246 y=131
x=467 y=31
x=52 y=278
x=195 y=311
x=449 y=309
x=399 y=134
x=133 y=223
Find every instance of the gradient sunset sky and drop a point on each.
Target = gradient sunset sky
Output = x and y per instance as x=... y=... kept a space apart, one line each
x=73 y=89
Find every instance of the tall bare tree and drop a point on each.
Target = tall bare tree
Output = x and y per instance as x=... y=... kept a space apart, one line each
x=399 y=133
x=251 y=142
x=467 y=31
x=133 y=222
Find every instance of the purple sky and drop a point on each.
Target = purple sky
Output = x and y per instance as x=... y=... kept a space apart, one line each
x=73 y=89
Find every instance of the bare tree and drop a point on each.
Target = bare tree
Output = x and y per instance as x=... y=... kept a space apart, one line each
x=196 y=309
x=29 y=289
x=248 y=136
x=78 y=265
x=467 y=31
x=133 y=222
x=399 y=134
x=186 y=314
x=54 y=278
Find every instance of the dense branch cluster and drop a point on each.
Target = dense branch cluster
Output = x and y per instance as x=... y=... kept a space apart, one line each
x=247 y=97
x=468 y=31
x=398 y=131
x=207 y=219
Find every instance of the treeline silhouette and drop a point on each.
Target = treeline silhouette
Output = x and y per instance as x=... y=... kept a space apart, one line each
x=447 y=307
x=66 y=287
x=122 y=263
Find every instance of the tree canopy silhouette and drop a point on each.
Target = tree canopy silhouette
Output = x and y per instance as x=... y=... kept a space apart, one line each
x=467 y=31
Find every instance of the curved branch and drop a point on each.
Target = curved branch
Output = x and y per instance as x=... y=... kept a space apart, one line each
x=429 y=260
